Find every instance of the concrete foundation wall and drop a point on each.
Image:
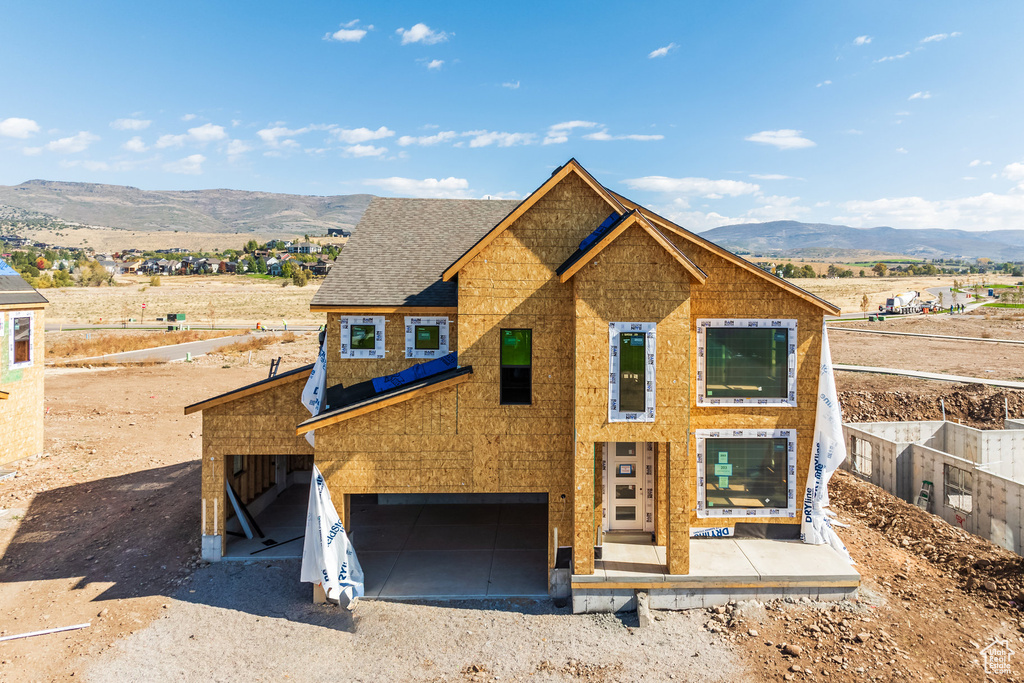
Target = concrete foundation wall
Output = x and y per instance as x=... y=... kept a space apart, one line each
x=997 y=477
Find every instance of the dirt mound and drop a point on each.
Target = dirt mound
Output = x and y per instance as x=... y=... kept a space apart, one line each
x=975 y=564
x=974 y=405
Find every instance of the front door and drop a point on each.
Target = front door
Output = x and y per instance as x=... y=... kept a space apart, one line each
x=626 y=493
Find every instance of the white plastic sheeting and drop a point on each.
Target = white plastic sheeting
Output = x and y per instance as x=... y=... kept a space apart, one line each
x=316 y=385
x=827 y=453
x=328 y=557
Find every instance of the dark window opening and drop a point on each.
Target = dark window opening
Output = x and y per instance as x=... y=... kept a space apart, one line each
x=363 y=337
x=22 y=340
x=632 y=372
x=516 y=367
x=747 y=362
x=427 y=337
x=237 y=465
x=747 y=473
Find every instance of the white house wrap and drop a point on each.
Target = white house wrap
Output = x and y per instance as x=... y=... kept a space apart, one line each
x=827 y=453
x=316 y=385
x=328 y=557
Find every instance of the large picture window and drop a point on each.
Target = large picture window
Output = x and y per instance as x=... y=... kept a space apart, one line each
x=746 y=473
x=631 y=356
x=746 y=361
x=516 y=367
x=21 y=336
x=426 y=337
x=362 y=337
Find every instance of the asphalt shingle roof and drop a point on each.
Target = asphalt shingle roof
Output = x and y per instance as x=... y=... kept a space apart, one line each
x=400 y=248
x=14 y=290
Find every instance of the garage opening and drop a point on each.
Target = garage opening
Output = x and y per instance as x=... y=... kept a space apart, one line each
x=272 y=494
x=452 y=546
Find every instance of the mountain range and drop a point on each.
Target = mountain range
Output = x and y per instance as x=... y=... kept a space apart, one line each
x=821 y=240
x=212 y=211
x=45 y=204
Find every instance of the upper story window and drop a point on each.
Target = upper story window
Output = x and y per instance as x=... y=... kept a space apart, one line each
x=746 y=473
x=362 y=337
x=516 y=367
x=746 y=361
x=426 y=337
x=21 y=336
x=632 y=371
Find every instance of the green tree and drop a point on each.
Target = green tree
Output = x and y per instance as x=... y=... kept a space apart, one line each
x=880 y=269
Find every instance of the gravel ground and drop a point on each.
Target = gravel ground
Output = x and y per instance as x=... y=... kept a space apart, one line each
x=255 y=622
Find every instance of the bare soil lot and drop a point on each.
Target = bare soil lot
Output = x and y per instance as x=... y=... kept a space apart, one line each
x=847 y=293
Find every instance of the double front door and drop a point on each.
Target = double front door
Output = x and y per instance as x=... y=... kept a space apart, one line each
x=629 y=486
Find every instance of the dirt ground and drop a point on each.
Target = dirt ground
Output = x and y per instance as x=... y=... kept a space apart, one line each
x=204 y=299
x=104 y=529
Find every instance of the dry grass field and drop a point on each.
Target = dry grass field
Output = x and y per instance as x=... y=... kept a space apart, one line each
x=115 y=239
x=848 y=292
x=88 y=344
x=204 y=299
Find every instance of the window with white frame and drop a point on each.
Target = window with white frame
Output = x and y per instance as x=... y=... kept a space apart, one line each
x=21 y=353
x=362 y=337
x=958 y=488
x=746 y=473
x=746 y=361
x=426 y=337
x=631 y=355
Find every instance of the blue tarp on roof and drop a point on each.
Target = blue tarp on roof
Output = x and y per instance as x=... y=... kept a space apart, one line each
x=415 y=373
x=6 y=269
x=593 y=237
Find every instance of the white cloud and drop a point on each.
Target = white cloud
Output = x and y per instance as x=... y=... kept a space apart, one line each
x=862 y=40
x=920 y=95
x=773 y=176
x=188 y=117
x=349 y=33
x=435 y=63
x=892 y=58
x=427 y=140
x=421 y=33
x=135 y=145
x=130 y=124
x=701 y=187
x=354 y=136
x=74 y=144
x=823 y=83
x=661 y=51
x=603 y=136
x=360 y=151
x=979 y=162
x=511 y=85
x=485 y=138
x=203 y=134
x=428 y=187
x=775 y=208
x=940 y=36
x=901 y=150
x=280 y=136
x=1015 y=172
x=237 y=148
x=18 y=128
x=559 y=132
x=190 y=165
x=784 y=138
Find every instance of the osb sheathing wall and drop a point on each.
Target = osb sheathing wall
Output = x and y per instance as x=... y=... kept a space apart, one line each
x=634 y=279
x=462 y=440
x=258 y=425
x=21 y=414
x=733 y=292
x=348 y=371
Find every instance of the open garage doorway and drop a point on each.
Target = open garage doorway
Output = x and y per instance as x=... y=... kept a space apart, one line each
x=272 y=493
x=424 y=546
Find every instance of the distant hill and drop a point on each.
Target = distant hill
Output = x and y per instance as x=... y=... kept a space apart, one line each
x=207 y=211
x=821 y=240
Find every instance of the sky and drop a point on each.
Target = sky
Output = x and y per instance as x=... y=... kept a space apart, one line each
x=908 y=114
